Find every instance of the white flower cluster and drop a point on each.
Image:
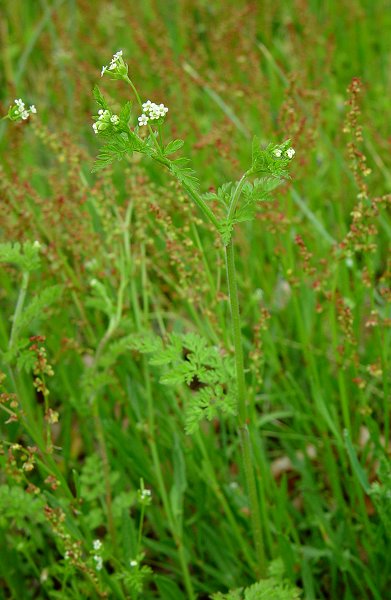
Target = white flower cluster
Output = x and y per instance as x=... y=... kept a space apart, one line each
x=145 y=496
x=20 y=110
x=117 y=58
x=97 y=545
x=152 y=112
x=290 y=152
x=104 y=120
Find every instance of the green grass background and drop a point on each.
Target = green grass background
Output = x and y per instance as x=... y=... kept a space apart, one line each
x=317 y=366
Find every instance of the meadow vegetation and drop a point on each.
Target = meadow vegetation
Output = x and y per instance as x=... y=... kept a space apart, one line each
x=153 y=446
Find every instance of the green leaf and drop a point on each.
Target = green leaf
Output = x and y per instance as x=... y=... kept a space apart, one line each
x=25 y=256
x=100 y=299
x=119 y=146
x=179 y=168
x=99 y=98
x=225 y=229
x=223 y=194
x=124 y=115
x=357 y=468
x=180 y=482
x=181 y=373
x=172 y=147
x=36 y=308
x=275 y=587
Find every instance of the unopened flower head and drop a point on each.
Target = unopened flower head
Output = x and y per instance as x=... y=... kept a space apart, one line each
x=19 y=111
x=105 y=119
x=133 y=563
x=277 y=152
x=290 y=153
x=117 y=68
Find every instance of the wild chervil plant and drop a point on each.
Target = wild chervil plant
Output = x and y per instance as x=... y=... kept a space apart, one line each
x=118 y=365
x=222 y=385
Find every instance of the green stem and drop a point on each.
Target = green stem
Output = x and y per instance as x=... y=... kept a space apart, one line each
x=192 y=193
x=197 y=199
x=19 y=307
x=245 y=441
x=236 y=196
x=130 y=82
x=204 y=208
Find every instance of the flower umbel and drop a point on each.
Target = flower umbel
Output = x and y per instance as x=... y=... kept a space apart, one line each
x=105 y=120
x=19 y=111
x=117 y=68
x=152 y=112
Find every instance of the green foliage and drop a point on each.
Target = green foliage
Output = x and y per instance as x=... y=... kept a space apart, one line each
x=275 y=587
x=189 y=359
x=19 y=509
x=266 y=161
x=36 y=309
x=172 y=147
x=99 y=98
x=183 y=173
x=380 y=494
x=312 y=276
x=120 y=145
x=26 y=255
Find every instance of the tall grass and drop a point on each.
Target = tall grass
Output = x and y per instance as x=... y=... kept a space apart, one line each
x=89 y=422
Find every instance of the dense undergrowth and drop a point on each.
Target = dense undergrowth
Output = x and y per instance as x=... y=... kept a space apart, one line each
x=121 y=475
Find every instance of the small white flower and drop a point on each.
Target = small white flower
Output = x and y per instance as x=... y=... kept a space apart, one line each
x=97 y=544
x=143 y=120
x=37 y=244
x=133 y=563
x=113 y=63
x=290 y=153
x=19 y=111
x=162 y=110
x=277 y=152
x=155 y=111
x=99 y=562
x=66 y=555
x=95 y=127
x=114 y=119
